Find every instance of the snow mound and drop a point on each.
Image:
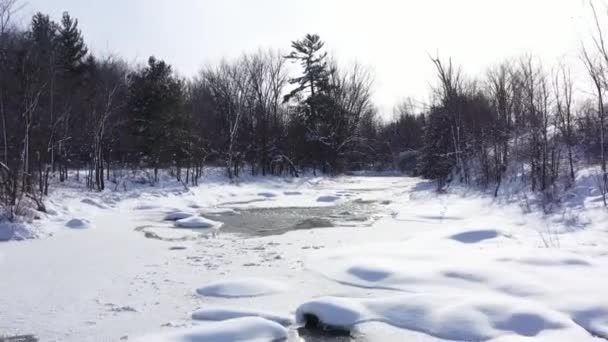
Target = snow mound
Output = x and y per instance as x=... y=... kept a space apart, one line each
x=224 y=313
x=327 y=198
x=233 y=330
x=594 y=319
x=197 y=223
x=77 y=223
x=414 y=272
x=370 y=272
x=16 y=231
x=241 y=287
x=177 y=215
x=442 y=316
x=475 y=236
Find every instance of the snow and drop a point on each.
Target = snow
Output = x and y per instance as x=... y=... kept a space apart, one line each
x=177 y=215
x=267 y=194
x=328 y=198
x=197 y=223
x=443 y=316
x=233 y=330
x=219 y=313
x=94 y=203
x=78 y=223
x=455 y=266
x=475 y=236
x=15 y=231
x=217 y=211
x=241 y=287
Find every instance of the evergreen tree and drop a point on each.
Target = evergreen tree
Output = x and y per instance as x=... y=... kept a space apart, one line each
x=437 y=159
x=155 y=101
x=43 y=34
x=312 y=91
x=71 y=44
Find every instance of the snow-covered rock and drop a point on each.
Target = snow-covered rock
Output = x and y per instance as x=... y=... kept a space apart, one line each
x=233 y=330
x=197 y=222
x=219 y=313
x=241 y=287
x=78 y=223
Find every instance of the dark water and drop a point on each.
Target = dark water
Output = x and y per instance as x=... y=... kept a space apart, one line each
x=315 y=331
x=275 y=221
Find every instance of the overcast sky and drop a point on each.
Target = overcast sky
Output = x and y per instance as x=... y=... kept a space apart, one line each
x=393 y=37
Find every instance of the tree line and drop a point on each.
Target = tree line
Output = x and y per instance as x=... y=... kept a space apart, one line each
x=518 y=122
x=66 y=112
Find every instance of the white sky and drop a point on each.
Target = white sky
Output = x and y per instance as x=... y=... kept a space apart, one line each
x=393 y=37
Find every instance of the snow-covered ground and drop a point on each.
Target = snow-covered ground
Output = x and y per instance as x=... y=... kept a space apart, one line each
x=460 y=266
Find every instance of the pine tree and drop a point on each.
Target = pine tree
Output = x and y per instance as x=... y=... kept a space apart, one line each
x=437 y=159
x=155 y=99
x=313 y=92
x=43 y=33
x=71 y=44
x=316 y=73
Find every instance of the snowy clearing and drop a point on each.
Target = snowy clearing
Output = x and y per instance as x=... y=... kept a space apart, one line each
x=457 y=266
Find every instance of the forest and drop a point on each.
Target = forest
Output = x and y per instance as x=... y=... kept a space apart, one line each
x=67 y=112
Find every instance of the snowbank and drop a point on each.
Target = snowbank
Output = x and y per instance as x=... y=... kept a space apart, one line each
x=442 y=316
x=233 y=330
x=241 y=287
x=219 y=313
x=16 y=231
x=197 y=223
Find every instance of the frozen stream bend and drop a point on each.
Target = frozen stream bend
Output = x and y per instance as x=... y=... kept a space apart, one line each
x=425 y=267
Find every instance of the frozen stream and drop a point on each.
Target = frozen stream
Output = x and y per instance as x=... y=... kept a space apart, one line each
x=384 y=257
x=275 y=221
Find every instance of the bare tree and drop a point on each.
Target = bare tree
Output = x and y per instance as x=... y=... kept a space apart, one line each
x=596 y=71
x=267 y=79
x=563 y=89
x=596 y=68
x=501 y=93
x=451 y=86
x=8 y=8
